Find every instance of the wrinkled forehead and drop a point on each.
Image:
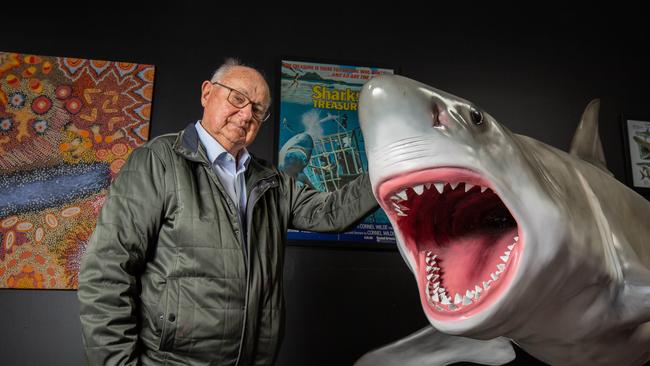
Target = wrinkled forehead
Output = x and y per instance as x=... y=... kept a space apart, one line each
x=250 y=82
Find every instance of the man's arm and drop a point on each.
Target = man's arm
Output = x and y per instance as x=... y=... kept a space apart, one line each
x=115 y=256
x=331 y=211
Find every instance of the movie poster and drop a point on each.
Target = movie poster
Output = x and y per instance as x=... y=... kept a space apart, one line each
x=320 y=141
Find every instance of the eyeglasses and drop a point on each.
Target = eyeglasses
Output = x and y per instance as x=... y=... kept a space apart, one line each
x=240 y=100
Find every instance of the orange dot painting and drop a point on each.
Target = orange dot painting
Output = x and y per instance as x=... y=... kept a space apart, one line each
x=71 y=211
x=47 y=67
x=31 y=59
x=38 y=236
x=51 y=220
x=119 y=149
x=98 y=63
x=35 y=85
x=29 y=71
x=26 y=278
x=148 y=92
x=73 y=105
x=146 y=110
x=9 y=222
x=9 y=240
x=12 y=80
x=63 y=91
x=148 y=75
x=116 y=165
x=24 y=226
x=101 y=154
x=62 y=121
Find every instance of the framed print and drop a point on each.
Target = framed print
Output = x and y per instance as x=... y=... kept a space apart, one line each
x=67 y=125
x=636 y=140
x=319 y=140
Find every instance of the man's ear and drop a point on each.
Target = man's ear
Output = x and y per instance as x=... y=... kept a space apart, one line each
x=206 y=88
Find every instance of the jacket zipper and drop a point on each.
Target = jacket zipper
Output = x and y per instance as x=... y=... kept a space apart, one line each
x=263 y=185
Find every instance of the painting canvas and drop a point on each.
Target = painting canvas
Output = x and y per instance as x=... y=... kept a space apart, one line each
x=320 y=143
x=67 y=126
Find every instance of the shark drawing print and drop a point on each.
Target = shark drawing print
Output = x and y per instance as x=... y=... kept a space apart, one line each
x=509 y=239
x=644 y=169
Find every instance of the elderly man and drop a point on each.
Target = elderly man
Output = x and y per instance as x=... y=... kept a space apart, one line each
x=185 y=265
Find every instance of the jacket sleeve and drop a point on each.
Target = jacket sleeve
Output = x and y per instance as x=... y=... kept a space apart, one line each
x=331 y=211
x=108 y=276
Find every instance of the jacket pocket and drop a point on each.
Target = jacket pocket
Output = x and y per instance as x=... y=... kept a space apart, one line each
x=167 y=313
x=152 y=299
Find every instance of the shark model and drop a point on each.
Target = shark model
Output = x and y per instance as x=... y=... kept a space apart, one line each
x=509 y=239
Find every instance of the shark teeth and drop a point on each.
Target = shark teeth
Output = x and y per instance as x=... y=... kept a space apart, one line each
x=443 y=301
x=402 y=195
x=467 y=300
x=399 y=199
x=419 y=189
x=435 y=297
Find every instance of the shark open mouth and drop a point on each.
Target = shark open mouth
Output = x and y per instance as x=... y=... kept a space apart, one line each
x=463 y=239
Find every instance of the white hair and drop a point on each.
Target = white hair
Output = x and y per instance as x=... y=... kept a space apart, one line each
x=230 y=63
x=227 y=65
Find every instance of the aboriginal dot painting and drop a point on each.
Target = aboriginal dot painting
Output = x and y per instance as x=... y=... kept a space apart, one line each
x=67 y=126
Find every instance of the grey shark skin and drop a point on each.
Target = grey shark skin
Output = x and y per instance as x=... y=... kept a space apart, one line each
x=508 y=238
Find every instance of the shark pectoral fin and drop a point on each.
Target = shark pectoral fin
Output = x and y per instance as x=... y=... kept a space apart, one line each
x=586 y=141
x=634 y=301
x=429 y=347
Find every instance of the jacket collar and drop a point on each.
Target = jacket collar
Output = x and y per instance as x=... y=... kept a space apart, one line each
x=188 y=145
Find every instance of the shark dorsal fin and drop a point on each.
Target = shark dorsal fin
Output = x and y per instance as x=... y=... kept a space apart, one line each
x=586 y=142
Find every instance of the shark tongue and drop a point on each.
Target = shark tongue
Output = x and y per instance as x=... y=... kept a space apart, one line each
x=473 y=232
x=471 y=260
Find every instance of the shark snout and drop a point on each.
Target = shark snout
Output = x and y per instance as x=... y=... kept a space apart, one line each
x=408 y=126
x=392 y=108
x=402 y=104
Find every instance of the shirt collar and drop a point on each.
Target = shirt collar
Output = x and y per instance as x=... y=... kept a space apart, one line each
x=216 y=152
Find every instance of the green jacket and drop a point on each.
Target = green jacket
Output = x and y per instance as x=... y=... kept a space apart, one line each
x=168 y=277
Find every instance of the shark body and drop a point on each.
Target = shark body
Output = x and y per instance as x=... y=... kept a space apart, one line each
x=509 y=239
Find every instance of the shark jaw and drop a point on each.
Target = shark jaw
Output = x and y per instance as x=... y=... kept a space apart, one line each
x=462 y=238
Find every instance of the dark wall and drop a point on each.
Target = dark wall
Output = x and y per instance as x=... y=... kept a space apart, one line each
x=533 y=70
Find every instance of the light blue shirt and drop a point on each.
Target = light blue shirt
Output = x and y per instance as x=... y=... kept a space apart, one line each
x=231 y=174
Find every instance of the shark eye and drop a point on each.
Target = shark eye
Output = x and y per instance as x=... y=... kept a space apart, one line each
x=477 y=117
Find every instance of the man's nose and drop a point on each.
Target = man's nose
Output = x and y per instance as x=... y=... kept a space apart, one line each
x=247 y=111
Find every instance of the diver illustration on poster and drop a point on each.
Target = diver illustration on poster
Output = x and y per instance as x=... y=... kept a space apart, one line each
x=320 y=141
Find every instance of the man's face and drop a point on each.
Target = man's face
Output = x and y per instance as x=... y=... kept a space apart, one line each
x=232 y=127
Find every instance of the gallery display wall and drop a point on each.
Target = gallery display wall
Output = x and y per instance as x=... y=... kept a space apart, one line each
x=534 y=73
